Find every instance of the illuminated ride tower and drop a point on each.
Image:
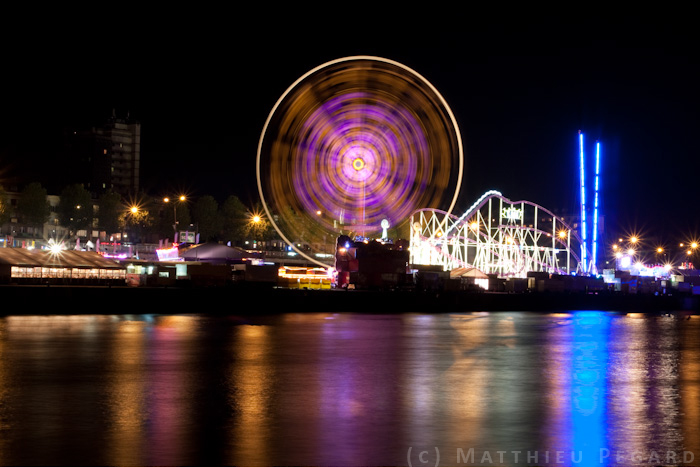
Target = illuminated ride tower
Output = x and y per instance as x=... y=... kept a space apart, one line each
x=588 y=264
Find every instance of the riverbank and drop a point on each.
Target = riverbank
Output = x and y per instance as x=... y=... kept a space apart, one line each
x=265 y=300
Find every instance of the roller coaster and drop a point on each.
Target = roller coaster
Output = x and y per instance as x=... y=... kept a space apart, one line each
x=496 y=236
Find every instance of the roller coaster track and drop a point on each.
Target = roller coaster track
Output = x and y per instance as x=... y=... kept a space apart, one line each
x=497 y=236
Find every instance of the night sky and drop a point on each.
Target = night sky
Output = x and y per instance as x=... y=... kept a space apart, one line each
x=202 y=87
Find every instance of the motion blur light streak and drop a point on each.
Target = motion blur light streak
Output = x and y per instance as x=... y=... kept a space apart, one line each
x=360 y=139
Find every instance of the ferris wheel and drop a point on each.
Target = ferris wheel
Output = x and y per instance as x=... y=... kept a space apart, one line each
x=352 y=146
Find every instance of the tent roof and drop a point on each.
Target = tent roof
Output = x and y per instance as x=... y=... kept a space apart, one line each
x=468 y=272
x=215 y=252
x=66 y=259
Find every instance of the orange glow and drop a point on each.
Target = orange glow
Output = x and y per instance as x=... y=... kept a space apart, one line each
x=181 y=198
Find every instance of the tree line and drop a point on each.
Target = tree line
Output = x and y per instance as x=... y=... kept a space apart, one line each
x=145 y=220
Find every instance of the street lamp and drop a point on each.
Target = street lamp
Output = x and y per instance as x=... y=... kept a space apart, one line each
x=130 y=225
x=166 y=200
x=255 y=222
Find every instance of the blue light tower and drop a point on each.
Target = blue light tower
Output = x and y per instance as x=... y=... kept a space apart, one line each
x=589 y=266
x=583 y=267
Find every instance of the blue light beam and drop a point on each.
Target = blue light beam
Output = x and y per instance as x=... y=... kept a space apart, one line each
x=594 y=268
x=584 y=246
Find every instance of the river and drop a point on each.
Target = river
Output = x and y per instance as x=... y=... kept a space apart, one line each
x=473 y=388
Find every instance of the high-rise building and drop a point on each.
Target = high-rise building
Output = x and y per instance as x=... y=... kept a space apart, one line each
x=108 y=156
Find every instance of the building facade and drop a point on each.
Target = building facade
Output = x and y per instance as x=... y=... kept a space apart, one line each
x=108 y=156
x=16 y=234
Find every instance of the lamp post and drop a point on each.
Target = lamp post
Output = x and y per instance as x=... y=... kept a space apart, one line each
x=166 y=200
x=132 y=230
x=255 y=221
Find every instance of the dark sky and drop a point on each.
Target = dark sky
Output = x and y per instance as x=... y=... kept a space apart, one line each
x=203 y=85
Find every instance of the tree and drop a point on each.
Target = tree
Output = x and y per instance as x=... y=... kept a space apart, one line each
x=109 y=210
x=4 y=208
x=135 y=221
x=33 y=207
x=258 y=227
x=205 y=214
x=234 y=217
x=75 y=209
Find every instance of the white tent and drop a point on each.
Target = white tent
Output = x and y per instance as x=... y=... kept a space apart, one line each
x=216 y=253
x=468 y=272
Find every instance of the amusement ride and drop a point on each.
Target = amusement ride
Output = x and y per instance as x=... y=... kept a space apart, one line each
x=362 y=143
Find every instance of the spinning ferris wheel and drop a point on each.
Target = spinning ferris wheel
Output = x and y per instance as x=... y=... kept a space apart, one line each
x=353 y=146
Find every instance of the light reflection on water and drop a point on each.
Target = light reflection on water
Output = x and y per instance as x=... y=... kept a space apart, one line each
x=505 y=388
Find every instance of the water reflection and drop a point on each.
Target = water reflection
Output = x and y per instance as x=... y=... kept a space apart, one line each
x=583 y=388
x=4 y=392
x=126 y=393
x=169 y=359
x=557 y=354
x=251 y=382
x=360 y=396
x=689 y=384
x=589 y=363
